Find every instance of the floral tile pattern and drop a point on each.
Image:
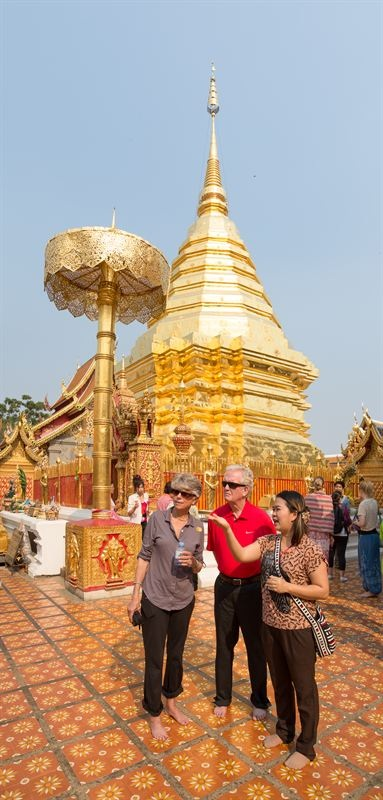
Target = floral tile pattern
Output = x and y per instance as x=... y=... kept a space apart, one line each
x=98 y=756
x=57 y=693
x=71 y=721
x=72 y=724
x=21 y=737
x=32 y=778
x=205 y=767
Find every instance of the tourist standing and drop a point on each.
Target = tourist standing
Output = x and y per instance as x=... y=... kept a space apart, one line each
x=287 y=635
x=165 y=574
x=321 y=519
x=339 y=486
x=237 y=592
x=367 y=523
x=342 y=523
x=138 y=503
x=165 y=499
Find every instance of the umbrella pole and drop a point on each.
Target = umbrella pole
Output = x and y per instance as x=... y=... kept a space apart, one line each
x=103 y=390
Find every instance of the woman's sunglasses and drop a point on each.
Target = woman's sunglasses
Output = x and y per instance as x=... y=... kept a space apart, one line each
x=185 y=495
x=233 y=485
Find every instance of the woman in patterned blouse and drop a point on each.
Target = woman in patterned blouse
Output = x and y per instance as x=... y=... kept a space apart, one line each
x=287 y=635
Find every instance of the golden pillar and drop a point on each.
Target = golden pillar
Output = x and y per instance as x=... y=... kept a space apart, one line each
x=107 y=274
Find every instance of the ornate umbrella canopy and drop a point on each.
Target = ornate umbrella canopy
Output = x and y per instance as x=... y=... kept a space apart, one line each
x=72 y=275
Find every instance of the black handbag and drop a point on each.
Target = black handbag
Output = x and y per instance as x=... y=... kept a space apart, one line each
x=324 y=639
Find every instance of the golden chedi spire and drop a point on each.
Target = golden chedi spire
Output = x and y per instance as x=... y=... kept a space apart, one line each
x=244 y=382
x=213 y=197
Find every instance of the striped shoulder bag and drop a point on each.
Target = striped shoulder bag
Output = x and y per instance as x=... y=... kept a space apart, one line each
x=323 y=636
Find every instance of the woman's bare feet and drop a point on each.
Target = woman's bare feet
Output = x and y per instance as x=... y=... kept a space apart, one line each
x=272 y=741
x=157 y=729
x=220 y=711
x=174 y=711
x=259 y=714
x=297 y=761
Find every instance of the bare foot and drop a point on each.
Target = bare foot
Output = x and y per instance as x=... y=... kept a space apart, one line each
x=272 y=741
x=220 y=711
x=297 y=761
x=157 y=729
x=368 y=594
x=259 y=714
x=174 y=711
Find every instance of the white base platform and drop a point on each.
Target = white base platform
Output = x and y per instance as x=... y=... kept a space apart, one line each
x=46 y=551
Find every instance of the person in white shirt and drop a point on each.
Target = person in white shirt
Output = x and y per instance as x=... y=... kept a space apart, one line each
x=138 y=503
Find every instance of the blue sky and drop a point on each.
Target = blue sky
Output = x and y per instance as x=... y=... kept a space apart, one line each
x=105 y=105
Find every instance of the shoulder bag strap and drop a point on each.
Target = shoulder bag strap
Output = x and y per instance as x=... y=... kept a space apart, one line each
x=277 y=557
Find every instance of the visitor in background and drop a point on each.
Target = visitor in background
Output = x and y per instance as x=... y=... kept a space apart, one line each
x=342 y=523
x=287 y=635
x=165 y=500
x=367 y=523
x=237 y=592
x=138 y=503
x=165 y=574
x=321 y=521
x=339 y=487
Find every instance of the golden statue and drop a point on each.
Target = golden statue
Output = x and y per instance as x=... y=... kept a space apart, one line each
x=112 y=556
x=210 y=477
x=73 y=556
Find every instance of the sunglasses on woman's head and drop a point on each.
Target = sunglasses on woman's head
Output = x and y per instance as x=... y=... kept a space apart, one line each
x=185 y=495
x=233 y=485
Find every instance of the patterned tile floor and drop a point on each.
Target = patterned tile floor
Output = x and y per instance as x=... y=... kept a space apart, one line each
x=72 y=727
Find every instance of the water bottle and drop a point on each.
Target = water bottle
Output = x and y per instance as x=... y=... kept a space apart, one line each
x=180 y=549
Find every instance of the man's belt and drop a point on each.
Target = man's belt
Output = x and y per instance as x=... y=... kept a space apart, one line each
x=239 y=581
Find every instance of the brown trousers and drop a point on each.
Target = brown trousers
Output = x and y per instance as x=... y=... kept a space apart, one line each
x=291 y=658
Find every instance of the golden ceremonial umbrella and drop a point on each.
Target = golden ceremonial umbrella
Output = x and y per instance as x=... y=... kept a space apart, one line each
x=109 y=275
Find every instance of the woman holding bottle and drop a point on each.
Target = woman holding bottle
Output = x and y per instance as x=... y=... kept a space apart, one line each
x=167 y=599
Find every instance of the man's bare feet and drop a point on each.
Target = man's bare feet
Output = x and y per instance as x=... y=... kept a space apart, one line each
x=259 y=714
x=297 y=761
x=157 y=729
x=175 y=712
x=220 y=711
x=272 y=741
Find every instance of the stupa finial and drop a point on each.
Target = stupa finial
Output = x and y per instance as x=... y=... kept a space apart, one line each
x=113 y=225
x=212 y=103
x=213 y=197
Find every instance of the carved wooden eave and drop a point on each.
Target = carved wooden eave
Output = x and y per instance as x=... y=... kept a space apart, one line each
x=71 y=407
x=23 y=432
x=362 y=437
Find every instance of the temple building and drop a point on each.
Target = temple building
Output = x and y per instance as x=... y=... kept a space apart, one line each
x=59 y=433
x=363 y=453
x=218 y=354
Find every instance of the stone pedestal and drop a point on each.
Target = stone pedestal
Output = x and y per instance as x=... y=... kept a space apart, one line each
x=101 y=557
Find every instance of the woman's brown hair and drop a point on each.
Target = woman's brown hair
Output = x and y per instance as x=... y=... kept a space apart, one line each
x=295 y=503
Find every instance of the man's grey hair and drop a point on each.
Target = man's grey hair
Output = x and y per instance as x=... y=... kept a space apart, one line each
x=186 y=482
x=247 y=475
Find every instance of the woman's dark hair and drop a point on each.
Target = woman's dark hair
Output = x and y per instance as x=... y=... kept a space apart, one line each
x=167 y=487
x=295 y=503
x=339 y=482
x=137 y=481
x=336 y=497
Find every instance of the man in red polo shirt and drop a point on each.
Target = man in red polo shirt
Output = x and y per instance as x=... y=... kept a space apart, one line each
x=237 y=592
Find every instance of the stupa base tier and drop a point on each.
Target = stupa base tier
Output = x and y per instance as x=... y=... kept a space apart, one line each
x=101 y=557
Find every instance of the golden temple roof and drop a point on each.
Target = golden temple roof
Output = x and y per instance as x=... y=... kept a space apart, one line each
x=71 y=406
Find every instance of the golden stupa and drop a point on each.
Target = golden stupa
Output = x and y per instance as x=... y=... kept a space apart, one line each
x=219 y=344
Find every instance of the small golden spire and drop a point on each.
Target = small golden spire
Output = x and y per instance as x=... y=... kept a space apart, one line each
x=213 y=197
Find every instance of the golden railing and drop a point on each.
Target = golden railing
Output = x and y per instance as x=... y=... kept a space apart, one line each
x=71 y=483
